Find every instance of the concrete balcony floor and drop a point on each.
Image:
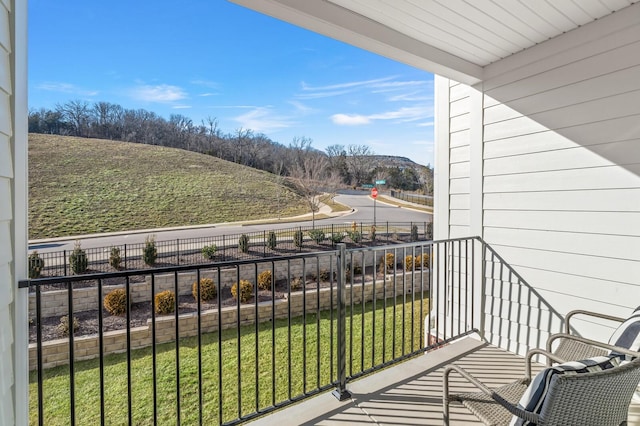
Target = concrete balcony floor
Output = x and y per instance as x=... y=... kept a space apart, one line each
x=411 y=392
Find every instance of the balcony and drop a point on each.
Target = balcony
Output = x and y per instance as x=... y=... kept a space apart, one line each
x=356 y=322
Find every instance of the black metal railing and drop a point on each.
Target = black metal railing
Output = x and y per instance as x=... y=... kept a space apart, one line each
x=313 y=322
x=426 y=200
x=189 y=251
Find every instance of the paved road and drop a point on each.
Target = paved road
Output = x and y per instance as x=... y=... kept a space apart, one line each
x=361 y=203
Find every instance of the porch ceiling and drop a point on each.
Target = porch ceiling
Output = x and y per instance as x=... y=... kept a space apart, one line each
x=454 y=38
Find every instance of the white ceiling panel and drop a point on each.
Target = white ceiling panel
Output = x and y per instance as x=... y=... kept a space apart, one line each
x=455 y=38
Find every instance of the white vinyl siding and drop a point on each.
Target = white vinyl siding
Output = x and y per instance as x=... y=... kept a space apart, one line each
x=561 y=190
x=6 y=215
x=558 y=178
x=459 y=157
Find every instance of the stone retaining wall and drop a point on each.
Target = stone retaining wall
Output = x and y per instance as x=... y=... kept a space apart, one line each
x=56 y=352
x=55 y=303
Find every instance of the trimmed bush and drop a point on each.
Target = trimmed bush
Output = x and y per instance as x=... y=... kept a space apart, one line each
x=245 y=293
x=165 y=302
x=337 y=237
x=243 y=243
x=422 y=260
x=408 y=263
x=295 y=284
x=298 y=238
x=208 y=290
x=114 y=258
x=36 y=264
x=317 y=235
x=78 y=259
x=355 y=236
x=414 y=233
x=264 y=280
x=272 y=240
x=325 y=275
x=63 y=327
x=150 y=252
x=115 y=302
x=388 y=261
x=209 y=252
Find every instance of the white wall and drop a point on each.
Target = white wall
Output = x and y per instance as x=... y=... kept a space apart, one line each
x=554 y=169
x=13 y=212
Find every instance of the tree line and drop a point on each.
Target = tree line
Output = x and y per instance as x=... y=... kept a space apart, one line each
x=340 y=165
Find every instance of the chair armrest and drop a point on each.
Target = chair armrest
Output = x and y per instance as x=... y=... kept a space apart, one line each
x=513 y=409
x=567 y=318
x=532 y=353
x=595 y=343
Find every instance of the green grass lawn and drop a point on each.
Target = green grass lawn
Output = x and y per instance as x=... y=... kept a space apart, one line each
x=83 y=186
x=304 y=371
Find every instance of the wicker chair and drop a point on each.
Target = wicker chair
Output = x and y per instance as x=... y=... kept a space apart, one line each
x=599 y=398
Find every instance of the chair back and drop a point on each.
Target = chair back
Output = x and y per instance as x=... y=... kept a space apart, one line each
x=598 y=398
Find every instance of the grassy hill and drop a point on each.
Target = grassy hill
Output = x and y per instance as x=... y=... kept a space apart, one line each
x=82 y=186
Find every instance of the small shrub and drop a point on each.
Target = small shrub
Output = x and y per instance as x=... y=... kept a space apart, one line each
x=337 y=237
x=388 y=261
x=246 y=291
x=422 y=260
x=209 y=252
x=63 y=327
x=414 y=233
x=36 y=264
x=357 y=269
x=272 y=240
x=78 y=259
x=298 y=238
x=295 y=284
x=326 y=276
x=114 y=258
x=165 y=302
x=243 y=243
x=115 y=302
x=150 y=252
x=264 y=280
x=372 y=233
x=408 y=263
x=208 y=290
x=317 y=235
x=355 y=236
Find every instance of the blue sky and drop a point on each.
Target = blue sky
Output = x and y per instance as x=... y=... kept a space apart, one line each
x=216 y=59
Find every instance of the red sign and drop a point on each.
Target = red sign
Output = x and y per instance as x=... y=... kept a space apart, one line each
x=374 y=192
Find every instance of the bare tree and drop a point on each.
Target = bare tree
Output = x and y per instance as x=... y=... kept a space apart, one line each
x=76 y=114
x=359 y=162
x=309 y=175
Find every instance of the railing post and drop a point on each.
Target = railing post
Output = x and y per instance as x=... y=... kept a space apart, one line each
x=64 y=261
x=125 y=257
x=483 y=289
x=341 y=392
x=178 y=251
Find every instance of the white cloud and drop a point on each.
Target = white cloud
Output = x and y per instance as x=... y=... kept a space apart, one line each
x=53 y=86
x=262 y=119
x=158 y=93
x=350 y=84
x=402 y=115
x=208 y=94
x=181 y=106
x=350 y=119
x=300 y=107
x=206 y=83
x=425 y=124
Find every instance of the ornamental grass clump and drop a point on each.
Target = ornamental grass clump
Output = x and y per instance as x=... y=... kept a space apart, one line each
x=115 y=302
x=264 y=280
x=298 y=238
x=209 y=252
x=64 y=327
x=408 y=263
x=388 y=261
x=208 y=290
x=245 y=292
x=422 y=260
x=165 y=302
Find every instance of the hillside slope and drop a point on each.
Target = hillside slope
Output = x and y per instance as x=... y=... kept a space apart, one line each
x=83 y=186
